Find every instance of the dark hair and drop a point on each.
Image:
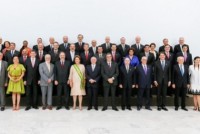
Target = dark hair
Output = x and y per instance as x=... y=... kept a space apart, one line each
x=131 y=49
x=6 y=42
x=185 y=46
x=197 y=57
x=152 y=44
x=161 y=53
x=77 y=56
x=146 y=45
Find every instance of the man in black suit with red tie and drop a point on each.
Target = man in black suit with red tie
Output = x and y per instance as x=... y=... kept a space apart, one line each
x=11 y=53
x=93 y=75
x=85 y=55
x=107 y=45
x=31 y=81
x=65 y=45
x=40 y=53
x=93 y=48
x=144 y=80
x=61 y=74
x=126 y=83
x=123 y=48
x=180 y=82
x=115 y=55
x=109 y=72
x=178 y=47
x=139 y=48
x=162 y=80
x=80 y=44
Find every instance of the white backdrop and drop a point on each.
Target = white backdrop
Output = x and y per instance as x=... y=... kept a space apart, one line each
x=153 y=20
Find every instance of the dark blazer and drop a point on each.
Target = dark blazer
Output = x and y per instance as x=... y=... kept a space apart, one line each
x=21 y=60
x=48 y=48
x=127 y=79
x=122 y=52
x=32 y=73
x=85 y=61
x=171 y=58
x=2 y=47
x=162 y=49
x=61 y=73
x=143 y=80
x=35 y=48
x=138 y=51
x=177 y=77
x=92 y=52
x=177 y=48
x=105 y=50
x=188 y=61
x=150 y=60
x=69 y=58
x=78 y=48
x=9 y=57
x=54 y=57
x=100 y=60
x=62 y=47
x=117 y=58
x=42 y=59
x=108 y=72
x=95 y=75
x=160 y=74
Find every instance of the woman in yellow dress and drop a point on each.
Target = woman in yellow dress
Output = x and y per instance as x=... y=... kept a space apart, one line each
x=77 y=81
x=16 y=85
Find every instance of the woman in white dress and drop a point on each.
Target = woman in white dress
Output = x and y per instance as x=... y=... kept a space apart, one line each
x=194 y=71
x=77 y=82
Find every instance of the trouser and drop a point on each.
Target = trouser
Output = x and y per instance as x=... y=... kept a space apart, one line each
x=92 y=96
x=141 y=92
x=60 y=88
x=47 y=95
x=32 y=95
x=126 y=97
x=107 y=89
x=161 y=94
x=2 y=96
x=180 y=92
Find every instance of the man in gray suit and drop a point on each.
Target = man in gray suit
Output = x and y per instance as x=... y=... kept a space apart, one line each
x=3 y=80
x=46 y=70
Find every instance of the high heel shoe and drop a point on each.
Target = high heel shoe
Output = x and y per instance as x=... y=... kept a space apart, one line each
x=195 y=108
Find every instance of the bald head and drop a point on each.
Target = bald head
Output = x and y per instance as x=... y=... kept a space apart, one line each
x=107 y=39
x=138 y=39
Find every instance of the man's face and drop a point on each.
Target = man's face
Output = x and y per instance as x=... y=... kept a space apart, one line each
x=65 y=39
x=33 y=54
x=108 y=57
x=62 y=56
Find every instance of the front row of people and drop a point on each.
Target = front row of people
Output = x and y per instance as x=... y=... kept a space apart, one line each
x=76 y=77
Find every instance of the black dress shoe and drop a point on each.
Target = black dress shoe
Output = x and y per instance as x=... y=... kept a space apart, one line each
x=104 y=109
x=176 y=108
x=138 y=108
x=164 y=108
x=96 y=108
x=148 y=109
x=129 y=108
x=67 y=107
x=115 y=109
x=58 y=108
x=89 y=108
x=159 y=108
x=44 y=107
x=27 y=108
x=35 y=107
x=185 y=109
x=2 y=108
x=123 y=108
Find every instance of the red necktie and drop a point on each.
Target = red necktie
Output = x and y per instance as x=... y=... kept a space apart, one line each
x=86 y=55
x=114 y=56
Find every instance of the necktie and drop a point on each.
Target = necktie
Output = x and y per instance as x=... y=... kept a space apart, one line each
x=163 y=65
x=182 y=71
x=113 y=56
x=86 y=55
x=62 y=64
x=145 y=69
x=109 y=64
x=100 y=55
x=138 y=46
x=92 y=68
x=167 y=55
x=80 y=44
x=127 y=69
x=32 y=62
x=65 y=46
x=12 y=53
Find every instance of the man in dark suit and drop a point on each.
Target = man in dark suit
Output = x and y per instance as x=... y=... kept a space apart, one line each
x=107 y=45
x=123 y=48
x=144 y=79
x=139 y=48
x=169 y=56
x=41 y=53
x=71 y=54
x=149 y=55
x=55 y=53
x=101 y=57
x=61 y=74
x=23 y=57
x=85 y=55
x=180 y=82
x=115 y=55
x=11 y=53
x=65 y=45
x=1 y=45
x=31 y=81
x=162 y=80
x=165 y=42
x=50 y=46
x=93 y=48
x=80 y=44
x=187 y=56
x=35 y=47
x=126 y=83
x=109 y=72
x=93 y=75
x=178 y=47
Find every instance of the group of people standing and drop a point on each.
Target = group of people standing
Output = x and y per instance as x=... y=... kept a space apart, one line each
x=78 y=69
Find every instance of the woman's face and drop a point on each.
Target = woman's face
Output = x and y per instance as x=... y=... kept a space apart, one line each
x=7 y=45
x=152 y=47
x=131 y=52
x=15 y=60
x=77 y=60
x=197 y=61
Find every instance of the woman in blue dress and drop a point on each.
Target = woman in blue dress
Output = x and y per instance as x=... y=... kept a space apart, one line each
x=134 y=61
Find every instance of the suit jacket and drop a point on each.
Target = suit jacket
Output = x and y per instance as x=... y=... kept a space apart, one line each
x=32 y=73
x=117 y=58
x=178 y=49
x=188 y=61
x=122 y=52
x=85 y=61
x=108 y=72
x=100 y=60
x=160 y=74
x=171 y=58
x=54 y=57
x=79 y=49
x=95 y=75
x=69 y=58
x=144 y=80
x=22 y=61
x=61 y=73
x=2 y=47
x=92 y=52
x=35 y=48
x=38 y=57
x=138 y=51
x=9 y=57
x=150 y=60
x=105 y=50
x=178 y=79
x=45 y=74
x=62 y=47
x=127 y=79
x=48 y=48
x=162 y=49
x=3 y=73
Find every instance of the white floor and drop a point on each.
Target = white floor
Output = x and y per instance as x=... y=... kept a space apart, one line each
x=98 y=122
